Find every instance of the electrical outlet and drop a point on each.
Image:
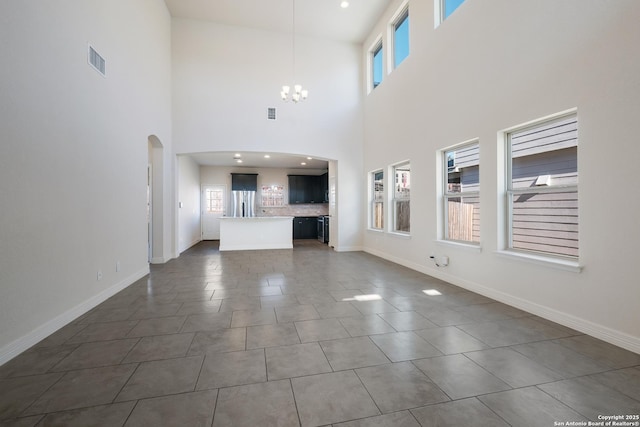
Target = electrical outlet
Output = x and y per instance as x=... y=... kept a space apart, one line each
x=99 y=275
x=117 y=266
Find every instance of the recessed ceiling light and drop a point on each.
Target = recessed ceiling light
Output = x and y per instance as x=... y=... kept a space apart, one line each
x=309 y=158
x=237 y=155
x=303 y=163
x=266 y=156
x=238 y=161
x=344 y=4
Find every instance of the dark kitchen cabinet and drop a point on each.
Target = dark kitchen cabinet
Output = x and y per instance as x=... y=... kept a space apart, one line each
x=324 y=185
x=305 y=227
x=296 y=189
x=311 y=189
x=307 y=189
x=244 y=182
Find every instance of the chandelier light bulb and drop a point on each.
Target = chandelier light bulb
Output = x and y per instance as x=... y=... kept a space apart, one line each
x=298 y=94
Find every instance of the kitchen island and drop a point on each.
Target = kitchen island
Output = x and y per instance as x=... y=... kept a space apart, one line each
x=258 y=232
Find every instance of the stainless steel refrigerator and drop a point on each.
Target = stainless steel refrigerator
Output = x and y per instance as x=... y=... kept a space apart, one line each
x=243 y=203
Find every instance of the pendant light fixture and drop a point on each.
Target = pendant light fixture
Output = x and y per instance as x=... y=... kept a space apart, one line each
x=298 y=94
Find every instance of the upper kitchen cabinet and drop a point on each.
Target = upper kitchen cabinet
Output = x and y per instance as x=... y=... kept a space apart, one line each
x=307 y=188
x=244 y=182
x=324 y=184
x=296 y=190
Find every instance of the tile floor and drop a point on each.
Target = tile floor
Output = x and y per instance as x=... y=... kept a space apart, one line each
x=311 y=337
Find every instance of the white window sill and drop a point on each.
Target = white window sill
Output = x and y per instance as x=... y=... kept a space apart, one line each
x=559 y=264
x=400 y=235
x=465 y=246
x=375 y=230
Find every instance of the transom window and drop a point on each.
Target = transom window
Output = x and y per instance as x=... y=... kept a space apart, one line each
x=401 y=38
x=444 y=9
x=376 y=65
x=449 y=6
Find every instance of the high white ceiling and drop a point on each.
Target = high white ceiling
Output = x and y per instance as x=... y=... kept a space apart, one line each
x=318 y=18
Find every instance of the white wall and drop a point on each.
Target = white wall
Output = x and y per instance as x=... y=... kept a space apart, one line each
x=189 y=230
x=225 y=78
x=497 y=64
x=74 y=153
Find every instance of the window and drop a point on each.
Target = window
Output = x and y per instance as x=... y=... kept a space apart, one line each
x=214 y=200
x=376 y=65
x=542 y=187
x=461 y=193
x=401 y=38
x=377 y=200
x=272 y=195
x=445 y=8
x=402 y=198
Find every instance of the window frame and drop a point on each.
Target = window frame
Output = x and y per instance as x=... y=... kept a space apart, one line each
x=446 y=194
x=373 y=200
x=511 y=192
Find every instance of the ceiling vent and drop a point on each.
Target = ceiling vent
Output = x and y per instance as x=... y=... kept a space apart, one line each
x=97 y=61
x=271 y=113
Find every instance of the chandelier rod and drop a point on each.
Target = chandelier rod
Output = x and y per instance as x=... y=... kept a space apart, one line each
x=298 y=94
x=293 y=39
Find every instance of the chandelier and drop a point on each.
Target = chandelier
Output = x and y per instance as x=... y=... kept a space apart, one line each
x=298 y=94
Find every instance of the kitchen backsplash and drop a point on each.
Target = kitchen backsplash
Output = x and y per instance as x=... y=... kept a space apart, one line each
x=313 y=209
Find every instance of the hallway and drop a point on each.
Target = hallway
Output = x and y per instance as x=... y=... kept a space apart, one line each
x=311 y=337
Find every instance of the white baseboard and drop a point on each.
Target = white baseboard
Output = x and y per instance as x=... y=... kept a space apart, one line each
x=347 y=248
x=193 y=243
x=612 y=336
x=16 y=347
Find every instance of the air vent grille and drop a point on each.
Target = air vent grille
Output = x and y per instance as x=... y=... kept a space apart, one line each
x=97 y=61
x=271 y=113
